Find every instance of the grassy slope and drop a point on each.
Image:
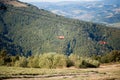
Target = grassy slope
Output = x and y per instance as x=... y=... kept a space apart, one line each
x=38 y=32
x=105 y=72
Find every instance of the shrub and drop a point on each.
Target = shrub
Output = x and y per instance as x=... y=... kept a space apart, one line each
x=113 y=56
x=46 y=60
x=14 y=59
x=22 y=62
x=73 y=59
x=50 y=60
x=80 y=62
x=92 y=63
x=3 y=54
x=59 y=61
x=87 y=63
x=69 y=63
x=1 y=62
x=33 y=62
x=7 y=59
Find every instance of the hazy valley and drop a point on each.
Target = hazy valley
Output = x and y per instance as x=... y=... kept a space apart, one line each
x=101 y=11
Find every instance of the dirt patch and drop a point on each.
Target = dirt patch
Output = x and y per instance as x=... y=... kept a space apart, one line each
x=105 y=72
x=14 y=3
x=17 y=4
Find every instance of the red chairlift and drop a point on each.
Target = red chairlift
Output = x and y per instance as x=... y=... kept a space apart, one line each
x=61 y=37
x=103 y=42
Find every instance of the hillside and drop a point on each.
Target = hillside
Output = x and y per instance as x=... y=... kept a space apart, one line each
x=100 y=11
x=29 y=30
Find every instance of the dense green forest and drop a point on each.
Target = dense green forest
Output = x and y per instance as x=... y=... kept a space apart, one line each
x=29 y=31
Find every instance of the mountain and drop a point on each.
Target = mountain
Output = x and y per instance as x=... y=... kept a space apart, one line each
x=100 y=11
x=27 y=30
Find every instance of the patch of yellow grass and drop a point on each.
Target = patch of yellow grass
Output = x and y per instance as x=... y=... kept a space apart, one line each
x=14 y=3
x=17 y=4
x=105 y=72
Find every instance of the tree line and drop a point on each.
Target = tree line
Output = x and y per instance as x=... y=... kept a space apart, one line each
x=56 y=60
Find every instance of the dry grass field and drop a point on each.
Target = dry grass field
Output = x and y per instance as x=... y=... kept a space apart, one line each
x=104 y=72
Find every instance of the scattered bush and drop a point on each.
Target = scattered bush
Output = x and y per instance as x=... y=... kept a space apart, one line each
x=3 y=54
x=86 y=63
x=22 y=62
x=1 y=62
x=7 y=59
x=113 y=56
x=73 y=59
x=33 y=62
x=92 y=63
x=80 y=62
x=50 y=60
x=59 y=61
x=47 y=60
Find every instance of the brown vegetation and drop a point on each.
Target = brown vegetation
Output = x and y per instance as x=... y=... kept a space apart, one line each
x=14 y=3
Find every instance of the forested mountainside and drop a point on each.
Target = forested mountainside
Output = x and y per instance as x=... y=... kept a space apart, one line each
x=27 y=30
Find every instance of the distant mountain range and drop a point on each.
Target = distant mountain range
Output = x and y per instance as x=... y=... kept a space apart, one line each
x=27 y=30
x=100 y=11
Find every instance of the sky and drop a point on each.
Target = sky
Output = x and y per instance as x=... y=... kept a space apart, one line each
x=51 y=0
